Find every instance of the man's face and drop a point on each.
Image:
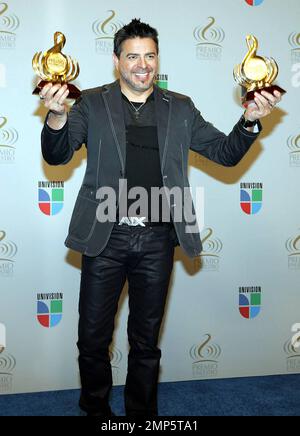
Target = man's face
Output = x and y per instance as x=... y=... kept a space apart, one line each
x=138 y=63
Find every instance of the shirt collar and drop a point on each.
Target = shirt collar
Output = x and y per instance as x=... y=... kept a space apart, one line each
x=150 y=98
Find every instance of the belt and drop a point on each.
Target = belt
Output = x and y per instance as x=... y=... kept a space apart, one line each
x=139 y=221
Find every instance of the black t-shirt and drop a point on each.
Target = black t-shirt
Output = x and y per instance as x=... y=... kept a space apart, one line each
x=142 y=153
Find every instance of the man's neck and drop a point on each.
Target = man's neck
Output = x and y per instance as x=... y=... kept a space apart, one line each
x=136 y=96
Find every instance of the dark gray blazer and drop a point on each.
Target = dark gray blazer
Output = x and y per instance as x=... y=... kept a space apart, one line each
x=96 y=120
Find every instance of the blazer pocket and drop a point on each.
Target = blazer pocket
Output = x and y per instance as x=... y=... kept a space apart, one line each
x=83 y=219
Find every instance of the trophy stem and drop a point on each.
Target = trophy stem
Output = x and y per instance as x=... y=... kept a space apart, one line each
x=248 y=97
x=74 y=92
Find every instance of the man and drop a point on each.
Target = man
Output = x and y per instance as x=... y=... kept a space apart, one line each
x=135 y=131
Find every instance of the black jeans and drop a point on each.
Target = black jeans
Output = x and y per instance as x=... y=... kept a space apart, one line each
x=143 y=255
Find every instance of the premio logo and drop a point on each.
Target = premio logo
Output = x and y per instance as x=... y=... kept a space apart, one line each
x=205 y=358
x=7 y=366
x=8 y=138
x=293 y=247
x=51 y=197
x=9 y=23
x=293 y=357
x=251 y=197
x=249 y=301
x=293 y=144
x=294 y=41
x=105 y=32
x=49 y=309
x=209 y=39
x=115 y=359
x=254 y=2
x=8 y=251
x=162 y=81
x=209 y=259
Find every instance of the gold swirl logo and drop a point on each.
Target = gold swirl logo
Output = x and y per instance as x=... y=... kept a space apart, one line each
x=290 y=350
x=293 y=143
x=294 y=40
x=210 y=34
x=8 y=249
x=293 y=246
x=8 y=136
x=10 y=22
x=7 y=364
x=205 y=352
x=115 y=357
x=211 y=246
x=106 y=29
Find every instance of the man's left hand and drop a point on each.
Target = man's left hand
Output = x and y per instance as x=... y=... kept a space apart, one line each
x=262 y=106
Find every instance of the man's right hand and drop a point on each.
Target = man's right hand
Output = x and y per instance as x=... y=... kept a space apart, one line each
x=54 y=97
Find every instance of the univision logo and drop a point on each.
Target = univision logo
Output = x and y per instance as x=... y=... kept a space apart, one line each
x=251 y=197
x=209 y=39
x=50 y=197
x=254 y=2
x=293 y=359
x=249 y=301
x=49 y=309
x=9 y=23
x=105 y=32
x=8 y=251
x=7 y=366
x=293 y=144
x=162 y=81
x=8 y=138
x=205 y=358
x=294 y=41
x=293 y=247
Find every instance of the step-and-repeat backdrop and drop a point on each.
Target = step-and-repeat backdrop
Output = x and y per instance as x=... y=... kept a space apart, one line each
x=230 y=312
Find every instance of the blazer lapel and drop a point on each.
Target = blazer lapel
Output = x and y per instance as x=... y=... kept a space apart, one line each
x=113 y=104
x=163 y=103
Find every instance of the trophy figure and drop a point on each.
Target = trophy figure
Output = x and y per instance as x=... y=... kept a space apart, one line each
x=55 y=67
x=255 y=73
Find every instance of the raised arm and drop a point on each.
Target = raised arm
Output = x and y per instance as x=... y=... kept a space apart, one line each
x=63 y=132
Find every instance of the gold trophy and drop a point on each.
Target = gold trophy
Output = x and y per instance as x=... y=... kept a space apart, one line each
x=55 y=67
x=255 y=73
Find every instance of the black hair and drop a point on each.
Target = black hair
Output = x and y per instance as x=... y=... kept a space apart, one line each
x=135 y=29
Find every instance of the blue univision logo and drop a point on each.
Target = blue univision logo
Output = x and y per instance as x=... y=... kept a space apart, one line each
x=254 y=2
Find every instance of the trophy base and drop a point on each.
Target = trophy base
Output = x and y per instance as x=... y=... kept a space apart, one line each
x=248 y=97
x=74 y=92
